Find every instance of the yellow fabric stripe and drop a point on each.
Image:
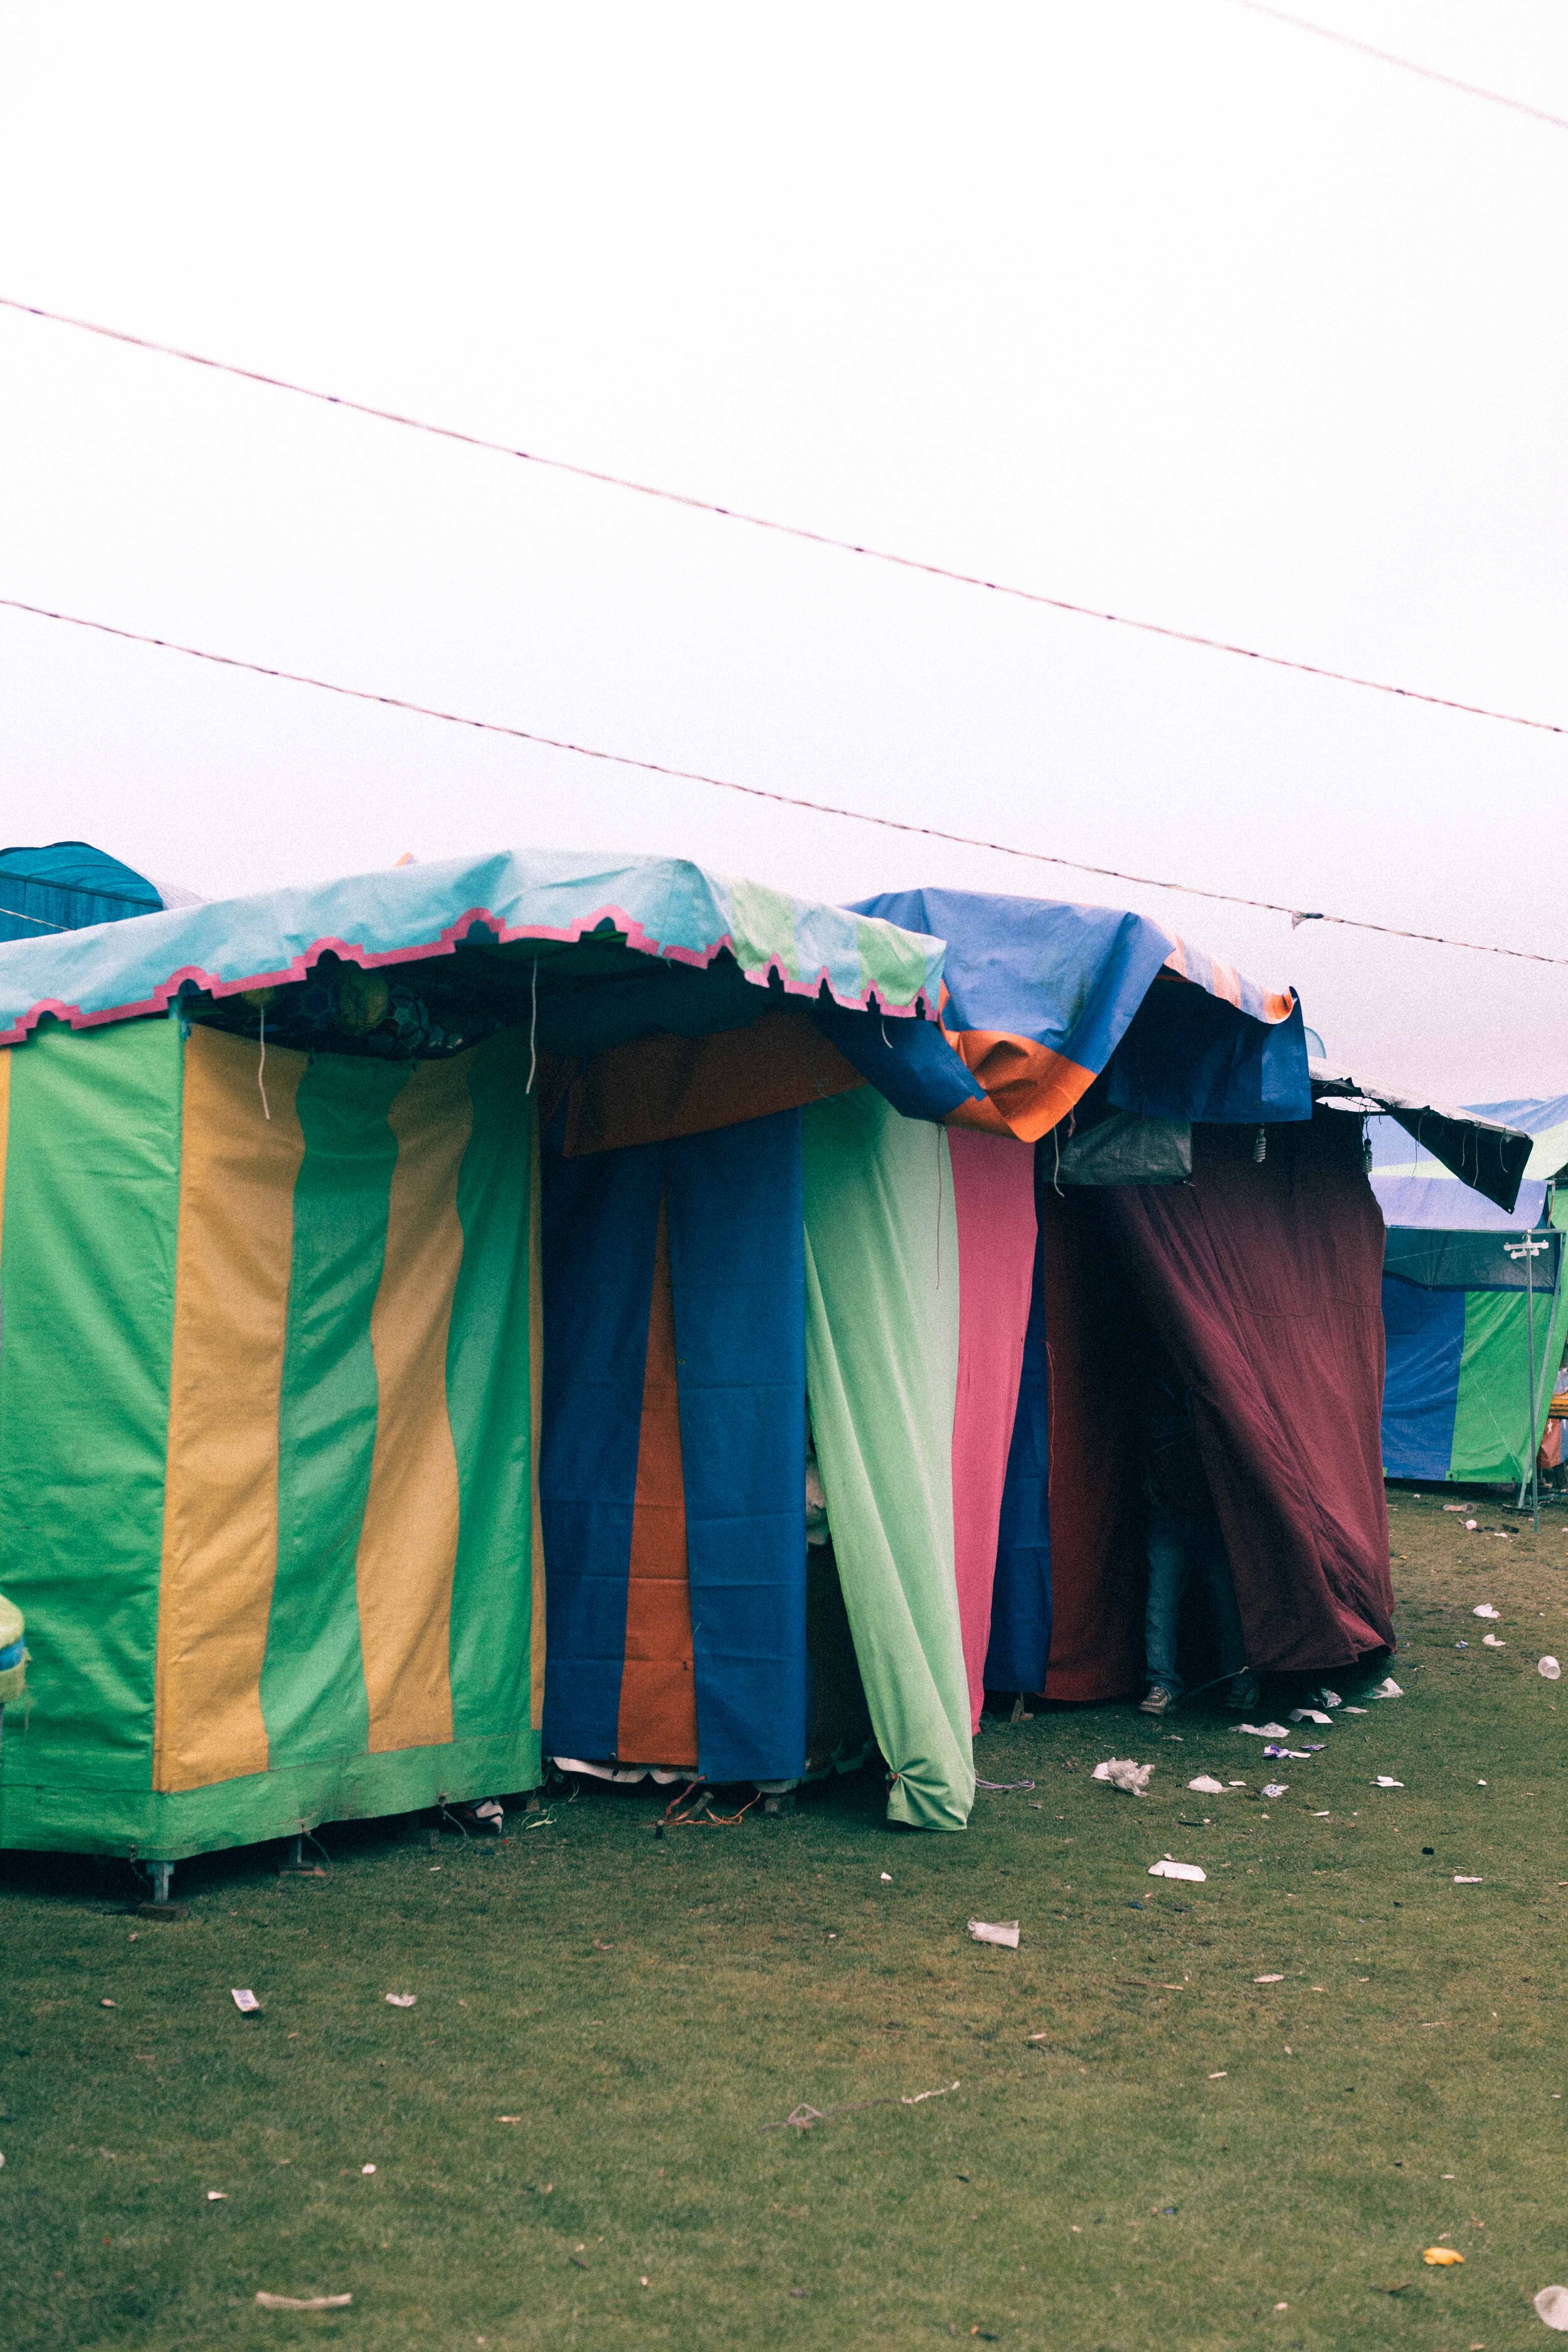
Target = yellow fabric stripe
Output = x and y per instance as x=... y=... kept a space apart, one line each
x=220 y=1511
x=536 y=1414
x=408 y=1541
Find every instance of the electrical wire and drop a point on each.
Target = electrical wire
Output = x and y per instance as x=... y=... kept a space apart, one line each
x=1387 y=57
x=761 y=792
x=789 y=530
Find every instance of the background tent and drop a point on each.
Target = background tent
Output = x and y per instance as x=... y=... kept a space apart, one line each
x=62 y=886
x=1457 y=1402
x=270 y=1296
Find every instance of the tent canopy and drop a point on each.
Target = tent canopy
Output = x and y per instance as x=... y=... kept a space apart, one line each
x=1041 y=996
x=635 y=931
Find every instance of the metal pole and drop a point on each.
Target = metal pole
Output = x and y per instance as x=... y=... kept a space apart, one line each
x=1534 y=1448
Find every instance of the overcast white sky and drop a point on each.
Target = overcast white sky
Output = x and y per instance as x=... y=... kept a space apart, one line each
x=1153 y=303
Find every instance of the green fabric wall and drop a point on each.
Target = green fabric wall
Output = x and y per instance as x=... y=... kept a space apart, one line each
x=87 y=1305
x=1492 y=1441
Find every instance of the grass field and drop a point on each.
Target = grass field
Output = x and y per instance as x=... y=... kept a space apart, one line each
x=1145 y=2146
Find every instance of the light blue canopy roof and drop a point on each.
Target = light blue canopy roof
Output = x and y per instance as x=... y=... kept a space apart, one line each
x=664 y=907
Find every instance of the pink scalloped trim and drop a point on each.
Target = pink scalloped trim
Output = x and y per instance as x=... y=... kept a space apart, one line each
x=446 y=944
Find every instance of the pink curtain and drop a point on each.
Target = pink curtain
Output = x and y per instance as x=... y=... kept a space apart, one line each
x=993 y=1195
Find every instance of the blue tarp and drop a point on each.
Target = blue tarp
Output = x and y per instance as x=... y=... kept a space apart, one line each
x=1426 y=1337
x=1020 y=1643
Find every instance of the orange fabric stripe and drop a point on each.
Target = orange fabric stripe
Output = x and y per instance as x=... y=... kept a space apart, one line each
x=657 y=1720
x=536 y=1411
x=231 y=1264
x=1028 y=1087
x=408 y=1540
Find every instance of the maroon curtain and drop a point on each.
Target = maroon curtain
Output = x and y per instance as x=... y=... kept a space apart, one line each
x=1098 y=1571
x=1264 y=1281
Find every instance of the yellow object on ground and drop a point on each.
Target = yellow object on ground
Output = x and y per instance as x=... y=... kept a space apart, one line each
x=1441 y=2256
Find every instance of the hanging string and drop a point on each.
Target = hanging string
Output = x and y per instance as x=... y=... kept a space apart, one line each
x=533 y=1029
x=261 y=1068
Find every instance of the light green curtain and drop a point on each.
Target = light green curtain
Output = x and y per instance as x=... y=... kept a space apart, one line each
x=881 y=1352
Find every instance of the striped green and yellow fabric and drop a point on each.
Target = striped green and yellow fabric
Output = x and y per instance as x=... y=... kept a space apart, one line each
x=269 y=1411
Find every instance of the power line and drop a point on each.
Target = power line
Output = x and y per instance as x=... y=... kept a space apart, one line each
x=759 y=791
x=785 y=530
x=1387 y=57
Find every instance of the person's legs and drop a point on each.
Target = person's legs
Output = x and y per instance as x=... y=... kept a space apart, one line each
x=1169 y=1559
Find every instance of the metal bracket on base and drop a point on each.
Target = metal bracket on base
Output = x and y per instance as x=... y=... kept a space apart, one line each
x=160 y=1907
x=297 y=1866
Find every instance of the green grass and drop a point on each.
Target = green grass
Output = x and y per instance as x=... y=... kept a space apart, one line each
x=647 y=2005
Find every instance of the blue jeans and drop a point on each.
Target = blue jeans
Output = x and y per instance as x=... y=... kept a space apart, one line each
x=1178 y=1547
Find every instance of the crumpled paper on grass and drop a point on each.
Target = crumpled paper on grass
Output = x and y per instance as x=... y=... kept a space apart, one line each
x=995 y=1931
x=1124 y=1772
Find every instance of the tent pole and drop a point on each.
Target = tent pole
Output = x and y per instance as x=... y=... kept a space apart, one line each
x=1535 y=1447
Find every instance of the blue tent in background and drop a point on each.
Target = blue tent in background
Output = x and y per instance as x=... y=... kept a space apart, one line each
x=64 y=886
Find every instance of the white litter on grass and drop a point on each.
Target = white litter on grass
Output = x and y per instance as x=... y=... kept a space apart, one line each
x=1278 y=1979
x=1460 y=1880
x=995 y=1931
x=303 y=2302
x=1124 y=1772
x=1552 y=2307
x=245 y=2002
x=1490 y=1642
x=1454 y=1506
x=1275 y=1788
x=1388 y=1688
x=1355 y=1710
x=1382 y=1782
x=1549 y=1668
x=367 y=2168
x=886 y=1878
x=1329 y=1697
x=1485 y=1609
x=1169 y=1869
x=1265 y=1730
x=1470 y=1527
x=1207 y=1786
x=400 y=1999
x=217 y=2197
x=1308 y=1715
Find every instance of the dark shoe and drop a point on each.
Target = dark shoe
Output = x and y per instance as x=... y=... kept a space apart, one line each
x=1157 y=1700
x=1243 y=1691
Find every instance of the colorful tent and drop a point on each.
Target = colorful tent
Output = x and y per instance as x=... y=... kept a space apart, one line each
x=1475 y=1303
x=269 y=1282
x=339 y=1224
